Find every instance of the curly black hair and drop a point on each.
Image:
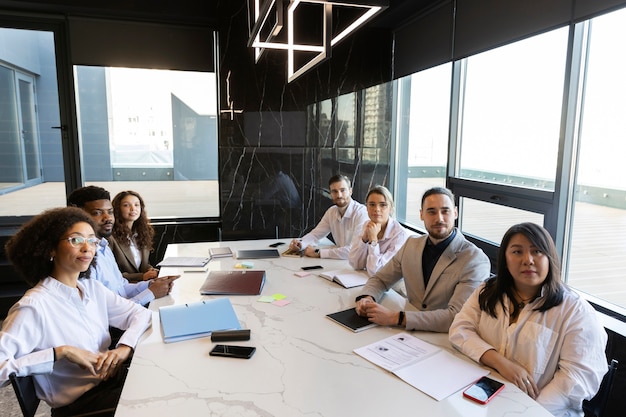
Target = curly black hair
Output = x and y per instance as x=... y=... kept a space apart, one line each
x=30 y=248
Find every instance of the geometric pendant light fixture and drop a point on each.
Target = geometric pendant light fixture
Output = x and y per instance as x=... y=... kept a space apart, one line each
x=268 y=21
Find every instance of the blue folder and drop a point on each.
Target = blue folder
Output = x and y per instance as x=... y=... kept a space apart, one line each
x=199 y=319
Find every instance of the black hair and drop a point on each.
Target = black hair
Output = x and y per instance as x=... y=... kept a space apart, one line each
x=81 y=196
x=502 y=283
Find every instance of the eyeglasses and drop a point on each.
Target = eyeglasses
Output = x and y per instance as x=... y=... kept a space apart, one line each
x=78 y=241
x=381 y=205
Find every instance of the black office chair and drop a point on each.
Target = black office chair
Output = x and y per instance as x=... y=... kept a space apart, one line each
x=596 y=406
x=24 y=388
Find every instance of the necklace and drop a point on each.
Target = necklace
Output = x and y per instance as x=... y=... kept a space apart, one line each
x=523 y=301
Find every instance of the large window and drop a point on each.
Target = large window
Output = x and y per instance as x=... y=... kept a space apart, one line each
x=597 y=258
x=423 y=127
x=153 y=131
x=511 y=101
x=31 y=160
x=534 y=131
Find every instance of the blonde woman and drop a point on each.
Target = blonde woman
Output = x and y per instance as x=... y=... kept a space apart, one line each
x=381 y=236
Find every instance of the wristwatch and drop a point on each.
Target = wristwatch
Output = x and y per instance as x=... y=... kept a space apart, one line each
x=374 y=242
x=317 y=251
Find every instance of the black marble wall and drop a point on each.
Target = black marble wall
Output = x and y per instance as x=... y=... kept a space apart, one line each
x=280 y=142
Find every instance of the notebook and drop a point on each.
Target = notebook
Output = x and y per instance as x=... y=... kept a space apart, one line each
x=348 y=278
x=244 y=282
x=184 y=261
x=199 y=319
x=351 y=320
x=258 y=253
x=224 y=252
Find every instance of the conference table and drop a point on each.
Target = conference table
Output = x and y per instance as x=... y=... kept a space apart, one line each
x=304 y=363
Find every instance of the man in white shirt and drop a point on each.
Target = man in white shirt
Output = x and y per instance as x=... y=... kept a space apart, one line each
x=342 y=220
x=96 y=201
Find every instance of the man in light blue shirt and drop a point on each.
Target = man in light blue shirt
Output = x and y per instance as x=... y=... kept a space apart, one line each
x=96 y=201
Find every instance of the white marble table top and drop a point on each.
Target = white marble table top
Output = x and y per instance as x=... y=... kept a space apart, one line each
x=304 y=364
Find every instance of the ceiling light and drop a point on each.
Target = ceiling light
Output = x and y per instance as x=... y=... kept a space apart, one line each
x=268 y=17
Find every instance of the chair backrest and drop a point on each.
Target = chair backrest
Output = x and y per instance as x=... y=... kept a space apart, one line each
x=596 y=406
x=24 y=388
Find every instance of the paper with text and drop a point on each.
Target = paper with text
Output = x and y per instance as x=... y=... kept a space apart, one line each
x=426 y=367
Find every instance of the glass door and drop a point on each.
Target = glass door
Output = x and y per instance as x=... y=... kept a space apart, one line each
x=28 y=129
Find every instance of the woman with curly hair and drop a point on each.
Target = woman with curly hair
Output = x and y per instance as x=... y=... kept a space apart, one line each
x=59 y=330
x=132 y=237
x=531 y=328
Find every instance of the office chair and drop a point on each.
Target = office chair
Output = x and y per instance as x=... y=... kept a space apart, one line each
x=596 y=406
x=24 y=388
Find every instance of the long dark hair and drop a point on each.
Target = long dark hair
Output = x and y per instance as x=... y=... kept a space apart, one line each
x=30 y=248
x=502 y=283
x=142 y=229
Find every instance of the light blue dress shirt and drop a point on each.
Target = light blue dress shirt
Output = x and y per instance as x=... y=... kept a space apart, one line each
x=108 y=273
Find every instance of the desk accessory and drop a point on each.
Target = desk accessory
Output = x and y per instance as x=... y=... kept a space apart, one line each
x=230 y=335
x=347 y=278
x=351 y=320
x=240 y=282
x=187 y=262
x=223 y=252
x=257 y=253
x=199 y=319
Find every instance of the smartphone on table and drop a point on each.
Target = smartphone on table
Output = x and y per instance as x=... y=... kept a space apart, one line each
x=483 y=390
x=230 y=351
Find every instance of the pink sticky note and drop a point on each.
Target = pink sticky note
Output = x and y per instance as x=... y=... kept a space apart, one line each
x=281 y=303
x=302 y=274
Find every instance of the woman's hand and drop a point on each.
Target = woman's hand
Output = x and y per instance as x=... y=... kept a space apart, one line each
x=111 y=361
x=512 y=371
x=81 y=357
x=370 y=231
x=150 y=274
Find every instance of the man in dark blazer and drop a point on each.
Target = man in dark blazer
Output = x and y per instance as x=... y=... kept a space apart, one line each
x=440 y=271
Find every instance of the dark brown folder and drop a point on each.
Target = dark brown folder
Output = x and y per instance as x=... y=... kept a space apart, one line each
x=233 y=283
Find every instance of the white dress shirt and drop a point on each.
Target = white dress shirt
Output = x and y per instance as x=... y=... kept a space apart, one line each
x=562 y=348
x=51 y=314
x=373 y=257
x=341 y=227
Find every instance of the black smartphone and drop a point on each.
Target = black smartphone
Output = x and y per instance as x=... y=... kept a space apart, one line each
x=277 y=244
x=483 y=390
x=229 y=351
x=307 y=268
